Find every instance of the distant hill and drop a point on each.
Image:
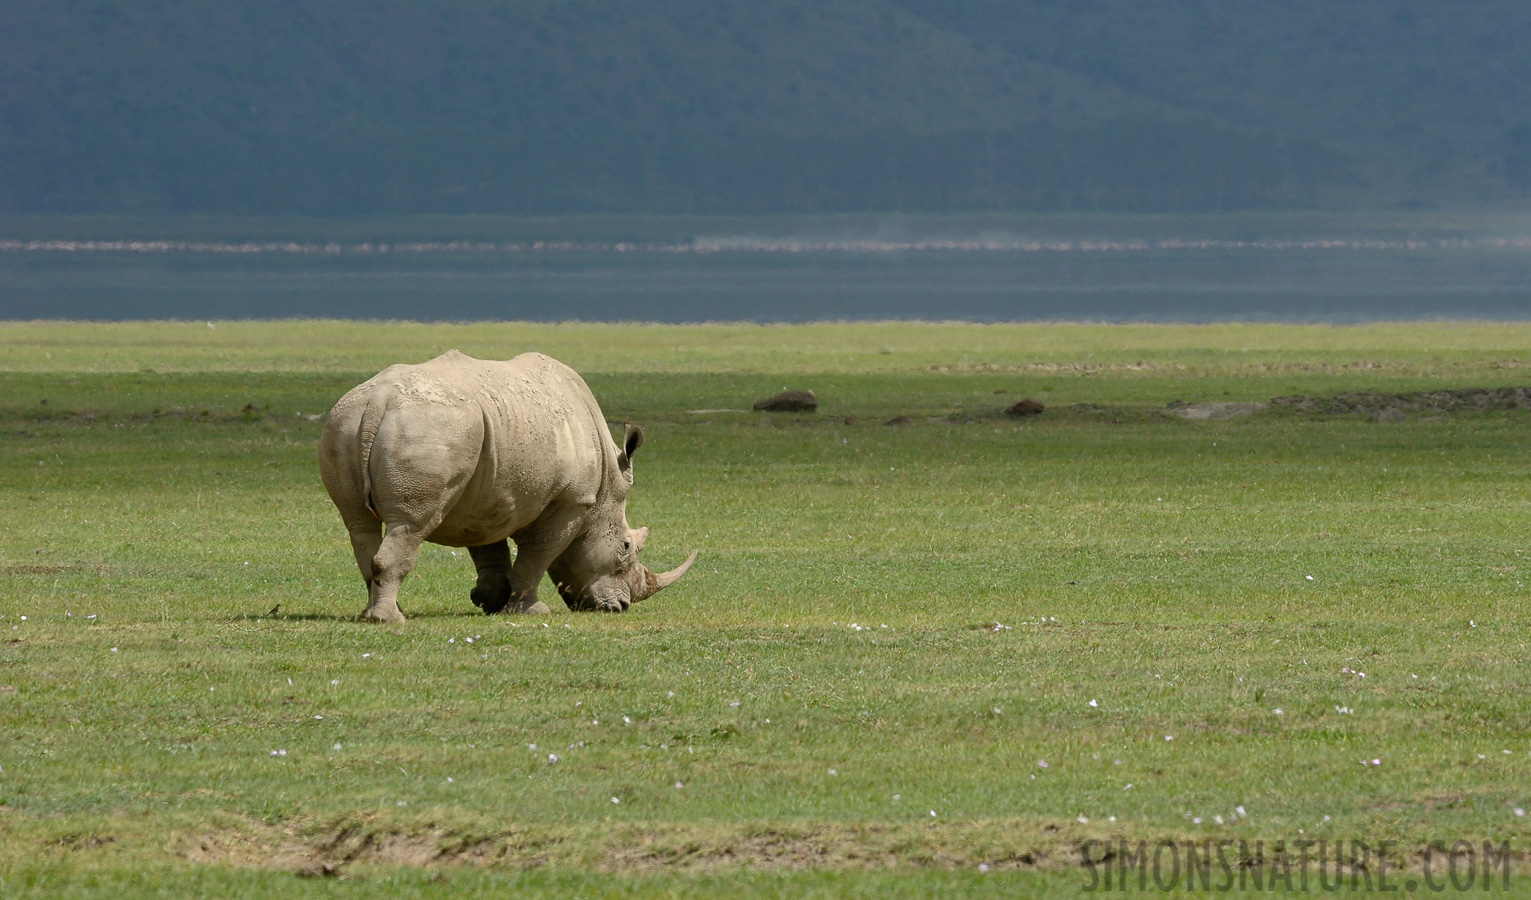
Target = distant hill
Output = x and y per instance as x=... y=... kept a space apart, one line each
x=542 y=106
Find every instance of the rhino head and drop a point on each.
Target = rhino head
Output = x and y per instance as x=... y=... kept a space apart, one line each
x=600 y=569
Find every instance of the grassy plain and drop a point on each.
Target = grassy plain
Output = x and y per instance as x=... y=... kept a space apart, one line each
x=906 y=652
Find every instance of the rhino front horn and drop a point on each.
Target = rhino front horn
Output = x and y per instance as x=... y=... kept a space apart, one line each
x=655 y=583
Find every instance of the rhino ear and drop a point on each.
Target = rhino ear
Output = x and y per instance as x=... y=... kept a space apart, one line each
x=632 y=439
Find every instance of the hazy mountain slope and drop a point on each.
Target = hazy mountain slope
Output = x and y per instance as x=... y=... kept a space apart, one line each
x=546 y=105
x=1422 y=91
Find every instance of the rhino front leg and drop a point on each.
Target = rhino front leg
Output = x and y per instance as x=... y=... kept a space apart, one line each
x=394 y=559
x=492 y=561
x=536 y=548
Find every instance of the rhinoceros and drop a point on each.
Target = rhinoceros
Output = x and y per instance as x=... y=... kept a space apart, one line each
x=467 y=453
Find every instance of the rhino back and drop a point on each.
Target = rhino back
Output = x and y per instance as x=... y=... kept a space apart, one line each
x=544 y=443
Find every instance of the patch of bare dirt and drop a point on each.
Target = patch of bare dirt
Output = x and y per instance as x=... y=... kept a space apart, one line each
x=331 y=852
x=1394 y=407
x=327 y=852
x=627 y=849
x=1213 y=411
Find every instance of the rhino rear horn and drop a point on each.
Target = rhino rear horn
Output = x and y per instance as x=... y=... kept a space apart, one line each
x=653 y=584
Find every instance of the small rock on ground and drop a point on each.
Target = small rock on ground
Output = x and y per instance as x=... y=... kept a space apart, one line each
x=789 y=401
x=1026 y=406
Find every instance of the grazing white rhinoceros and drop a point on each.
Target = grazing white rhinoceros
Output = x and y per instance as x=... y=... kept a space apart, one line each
x=468 y=452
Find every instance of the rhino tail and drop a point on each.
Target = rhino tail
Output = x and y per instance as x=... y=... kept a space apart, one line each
x=371 y=420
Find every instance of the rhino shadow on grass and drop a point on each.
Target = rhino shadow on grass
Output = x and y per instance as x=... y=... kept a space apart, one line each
x=477 y=453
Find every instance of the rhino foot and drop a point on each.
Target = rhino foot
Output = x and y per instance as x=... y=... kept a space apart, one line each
x=383 y=614
x=490 y=599
x=535 y=608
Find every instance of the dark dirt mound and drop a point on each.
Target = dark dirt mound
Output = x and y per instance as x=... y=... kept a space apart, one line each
x=789 y=401
x=899 y=420
x=1026 y=406
x=1391 y=407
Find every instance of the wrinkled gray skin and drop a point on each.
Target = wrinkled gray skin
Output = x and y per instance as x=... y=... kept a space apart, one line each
x=467 y=453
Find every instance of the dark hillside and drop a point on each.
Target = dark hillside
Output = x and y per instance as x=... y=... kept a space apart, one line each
x=1433 y=97
x=339 y=108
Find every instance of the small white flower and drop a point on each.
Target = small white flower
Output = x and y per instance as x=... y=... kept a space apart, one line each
x=449 y=779
x=452 y=640
x=336 y=748
x=1278 y=711
x=1083 y=820
x=318 y=717
x=733 y=703
x=679 y=785
x=1041 y=763
x=1309 y=577
x=1095 y=703
x=1196 y=821
x=833 y=772
x=114 y=649
x=334 y=682
x=531 y=746
x=932 y=814
x=1169 y=737
x=366 y=655
x=983 y=867
x=1240 y=811
x=1218 y=819
x=552 y=758
x=1519 y=812
x=402 y=803
x=626 y=721
x=616 y=800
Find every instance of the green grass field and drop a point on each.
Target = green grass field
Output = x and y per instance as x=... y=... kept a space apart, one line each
x=928 y=659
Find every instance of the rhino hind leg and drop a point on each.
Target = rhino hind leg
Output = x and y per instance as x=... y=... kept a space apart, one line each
x=366 y=540
x=394 y=559
x=492 y=592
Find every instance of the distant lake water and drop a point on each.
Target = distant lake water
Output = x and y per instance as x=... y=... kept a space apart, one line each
x=772 y=280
